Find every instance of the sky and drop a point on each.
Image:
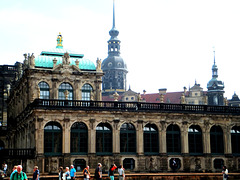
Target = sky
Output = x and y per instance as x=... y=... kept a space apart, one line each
x=165 y=43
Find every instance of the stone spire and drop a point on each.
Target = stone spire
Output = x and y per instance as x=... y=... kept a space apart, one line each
x=214 y=67
x=114 y=67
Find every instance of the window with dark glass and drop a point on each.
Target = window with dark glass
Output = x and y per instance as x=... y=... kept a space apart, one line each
x=79 y=138
x=235 y=138
x=173 y=139
x=1 y=145
x=127 y=138
x=65 y=87
x=195 y=140
x=79 y=164
x=53 y=138
x=103 y=139
x=86 y=92
x=44 y=90
x=216 y=140
x=218 y=163
x=129 y=163
x=150 y=133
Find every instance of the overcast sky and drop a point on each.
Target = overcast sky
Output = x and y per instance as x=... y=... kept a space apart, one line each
x=165 y=43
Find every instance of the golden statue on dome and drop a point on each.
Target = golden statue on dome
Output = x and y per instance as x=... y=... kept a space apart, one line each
x=59 y=41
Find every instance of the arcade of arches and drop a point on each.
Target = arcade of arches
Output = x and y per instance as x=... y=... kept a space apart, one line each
x=139 y=141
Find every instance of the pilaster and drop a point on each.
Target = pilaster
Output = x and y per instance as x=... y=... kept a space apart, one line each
x=162 y=138
x=92 y=137
x=139 y=136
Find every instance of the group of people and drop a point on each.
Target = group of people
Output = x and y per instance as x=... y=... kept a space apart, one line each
x=86 y=173
x=68 y=174
x=18 y=174
x=98 y=172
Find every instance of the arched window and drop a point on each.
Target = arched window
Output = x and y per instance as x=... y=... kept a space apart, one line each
x=173 y=139
x=127 y=138
x=235 y=137
x=44 y=90
x=103 y=139
x=62 y=88
x=195 y=140
x=151 y=145
x=216 y=140
x=86 y=92
x=79 y=138
x=53 y=139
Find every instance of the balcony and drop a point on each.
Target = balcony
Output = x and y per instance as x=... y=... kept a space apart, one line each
x=17 y=153
x=132 y=106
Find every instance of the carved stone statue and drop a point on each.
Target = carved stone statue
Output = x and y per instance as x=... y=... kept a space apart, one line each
x=115 y=95
x=32 y=61
x=139 y=97
x=92 y=96
x=183 y=100
x=99 y=64
x=66 y=59
x=66 y=93
x=54 y=62
x=225 y=102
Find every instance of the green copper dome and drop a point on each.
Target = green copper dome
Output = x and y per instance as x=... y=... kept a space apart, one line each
x=45 y=60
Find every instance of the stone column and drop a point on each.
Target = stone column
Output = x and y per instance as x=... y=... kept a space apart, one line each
x=39 y=136
x=162 y=138
x=66 y=136
x=139 y=136
x=184 y=138
x=206 y=138
x=92 y=137
x=227 y=140
x=116 y=137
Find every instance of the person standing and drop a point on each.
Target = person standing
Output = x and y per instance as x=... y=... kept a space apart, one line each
x=5 y=169
x=225 y=173
x=121 y=172
x=67 y=174
x=72 y=172
x=19 y=175
x=60 y=173
x=14 y=170
x=98 y=172
x=36 y=173
x=111 y=171
x=86 y=173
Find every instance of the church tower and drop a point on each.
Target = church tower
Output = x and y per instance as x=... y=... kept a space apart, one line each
x=114 y=67
x=215 y=88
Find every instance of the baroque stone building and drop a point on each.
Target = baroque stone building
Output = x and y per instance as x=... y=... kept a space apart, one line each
x=57 y=118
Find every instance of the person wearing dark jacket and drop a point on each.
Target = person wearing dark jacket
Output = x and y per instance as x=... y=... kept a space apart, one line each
x=111 y=171
x=60 y=173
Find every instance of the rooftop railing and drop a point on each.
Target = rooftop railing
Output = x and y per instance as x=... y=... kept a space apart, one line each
x=132 y=106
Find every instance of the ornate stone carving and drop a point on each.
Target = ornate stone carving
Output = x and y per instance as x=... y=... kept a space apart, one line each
x=115 y=96
x=183 y=99
x=66 y=59
x=99 y=64
x=66 y=93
